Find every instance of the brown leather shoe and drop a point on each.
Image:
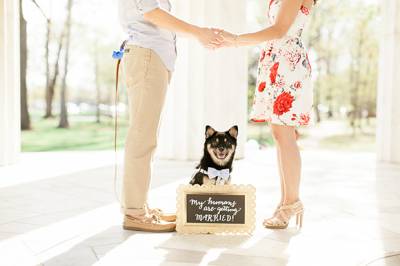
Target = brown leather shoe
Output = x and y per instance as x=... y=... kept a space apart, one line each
x=168 y=217
x=147 y=223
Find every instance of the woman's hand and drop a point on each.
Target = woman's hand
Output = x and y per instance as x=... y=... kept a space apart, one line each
x=209 y=38
x=230 y=39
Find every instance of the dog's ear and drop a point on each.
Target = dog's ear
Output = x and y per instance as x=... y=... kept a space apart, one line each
x=209 y=131
x=233 y=131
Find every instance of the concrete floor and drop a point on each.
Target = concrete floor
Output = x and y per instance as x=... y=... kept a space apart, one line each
x=60 y=209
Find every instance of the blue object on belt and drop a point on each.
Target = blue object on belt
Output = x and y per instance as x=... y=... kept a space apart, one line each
x=119 y=54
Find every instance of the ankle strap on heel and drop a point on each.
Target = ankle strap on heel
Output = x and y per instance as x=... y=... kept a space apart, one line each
x=296 y=207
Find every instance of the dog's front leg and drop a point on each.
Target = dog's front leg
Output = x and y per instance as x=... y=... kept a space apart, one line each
x=208 y=181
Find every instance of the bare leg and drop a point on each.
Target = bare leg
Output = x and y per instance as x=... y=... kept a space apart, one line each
x=289 y=160
x=278 y=155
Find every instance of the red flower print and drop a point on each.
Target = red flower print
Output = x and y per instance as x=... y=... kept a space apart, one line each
x=274 y=72
x=305 y=10
x=280 y=82
x=283 y=103
x=258 y=120
x=304 y=119
x=284 y=71
x=293 y=57
x=308 y=61
x=269 y=51
x=261 y=87
x=262 y=55
x=270 y=3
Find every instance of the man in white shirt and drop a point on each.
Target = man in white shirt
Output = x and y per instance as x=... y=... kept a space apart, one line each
x=149 y=60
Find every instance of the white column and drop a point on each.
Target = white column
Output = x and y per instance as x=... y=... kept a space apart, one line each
x=208 y=87
x=9 y=82
x=388 y=132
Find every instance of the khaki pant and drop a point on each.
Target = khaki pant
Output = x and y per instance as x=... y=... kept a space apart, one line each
x=147 y=80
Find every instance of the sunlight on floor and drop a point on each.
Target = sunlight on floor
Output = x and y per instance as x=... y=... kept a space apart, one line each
x=26 y=170
x=352 y=211
x=55 y=239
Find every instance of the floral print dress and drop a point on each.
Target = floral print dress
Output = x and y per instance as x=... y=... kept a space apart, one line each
x=284 y=92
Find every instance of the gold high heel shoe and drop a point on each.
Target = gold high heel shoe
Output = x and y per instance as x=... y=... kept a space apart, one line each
x=281 y=218
x=276 y=210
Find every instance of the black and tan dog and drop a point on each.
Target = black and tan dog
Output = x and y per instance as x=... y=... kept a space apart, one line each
x=219 y=151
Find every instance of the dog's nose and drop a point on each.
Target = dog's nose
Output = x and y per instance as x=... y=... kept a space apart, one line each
x=221 y=148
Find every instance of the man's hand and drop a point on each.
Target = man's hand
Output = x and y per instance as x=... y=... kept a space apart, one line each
x=209 y=38
x=230 y=40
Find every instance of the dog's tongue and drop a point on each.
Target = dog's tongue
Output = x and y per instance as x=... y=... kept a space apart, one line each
x=220 y=155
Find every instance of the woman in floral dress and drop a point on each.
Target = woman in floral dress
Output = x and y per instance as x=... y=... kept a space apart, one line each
x=283 y=94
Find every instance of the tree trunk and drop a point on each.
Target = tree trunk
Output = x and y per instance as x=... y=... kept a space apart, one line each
x=328 y=61
x=49 y=95
x=98 y=93
x=53 y=80
x=355 y=101
x=317 y=97
x=25 y=118
x=329 y=96
x=64 y=123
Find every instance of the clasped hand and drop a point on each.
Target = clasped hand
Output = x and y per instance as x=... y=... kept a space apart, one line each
x=212 y=38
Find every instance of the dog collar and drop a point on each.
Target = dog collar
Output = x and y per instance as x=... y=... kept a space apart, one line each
x=220 y=176
x=203 y=171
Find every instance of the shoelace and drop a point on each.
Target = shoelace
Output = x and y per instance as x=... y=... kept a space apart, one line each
x=154 y=218
x=148 y=218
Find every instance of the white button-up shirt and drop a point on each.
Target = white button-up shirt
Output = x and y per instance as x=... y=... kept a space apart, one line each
x=145 y=34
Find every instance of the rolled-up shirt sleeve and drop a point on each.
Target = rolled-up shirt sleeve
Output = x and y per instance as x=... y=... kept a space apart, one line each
x=145 y=6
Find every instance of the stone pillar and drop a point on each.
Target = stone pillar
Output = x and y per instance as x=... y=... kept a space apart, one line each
x=388 y=113
x=208 y=87
x=9 y=82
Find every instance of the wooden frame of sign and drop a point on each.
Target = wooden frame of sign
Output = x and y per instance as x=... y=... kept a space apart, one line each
x=216 y=209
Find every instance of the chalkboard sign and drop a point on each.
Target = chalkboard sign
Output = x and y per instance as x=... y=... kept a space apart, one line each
x=210 y=208
x=215 y=209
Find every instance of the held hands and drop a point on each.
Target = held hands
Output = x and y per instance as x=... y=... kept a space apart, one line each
x=209 y=38
x=216 y=38
x=230 y=40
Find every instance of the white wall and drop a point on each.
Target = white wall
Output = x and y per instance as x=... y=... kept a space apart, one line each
x=208 y=87
x=388 y=131
x=9 y=82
